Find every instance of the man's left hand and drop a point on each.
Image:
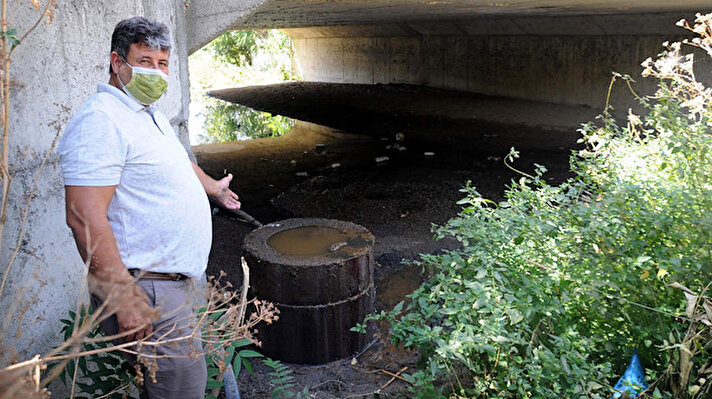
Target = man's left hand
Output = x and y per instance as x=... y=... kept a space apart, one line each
x=224 y=195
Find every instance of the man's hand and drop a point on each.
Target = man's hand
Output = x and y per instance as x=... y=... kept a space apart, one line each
x=135 y=313
x=123 y=297
x=219 y=189
x=224 y=195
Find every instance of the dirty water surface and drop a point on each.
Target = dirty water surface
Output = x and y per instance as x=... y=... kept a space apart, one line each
x=315 y=240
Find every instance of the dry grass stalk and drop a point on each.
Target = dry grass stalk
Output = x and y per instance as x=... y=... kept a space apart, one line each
x=678 y=68
x=21 y=383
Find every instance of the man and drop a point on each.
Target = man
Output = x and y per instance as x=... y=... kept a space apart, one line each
x=138 y=208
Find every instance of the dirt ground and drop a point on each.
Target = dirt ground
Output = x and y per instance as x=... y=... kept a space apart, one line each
x=398 y=199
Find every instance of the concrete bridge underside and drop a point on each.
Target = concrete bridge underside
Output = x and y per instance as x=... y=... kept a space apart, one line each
x=557 y=51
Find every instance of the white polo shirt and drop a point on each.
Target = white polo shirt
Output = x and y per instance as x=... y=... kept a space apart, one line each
x=160 y=213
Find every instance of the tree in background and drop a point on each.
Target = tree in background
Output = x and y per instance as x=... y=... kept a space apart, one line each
x=232 y=122
x=238 y=58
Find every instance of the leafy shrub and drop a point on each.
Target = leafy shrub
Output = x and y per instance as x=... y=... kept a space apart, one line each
x=236 y=356
x=103 y=374
x=282 y=381
x=555 y=286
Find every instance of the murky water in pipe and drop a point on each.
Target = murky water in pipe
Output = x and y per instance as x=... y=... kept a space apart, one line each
x=315 y=241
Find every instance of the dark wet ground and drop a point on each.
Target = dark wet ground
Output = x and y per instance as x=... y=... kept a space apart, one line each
x=398 y=200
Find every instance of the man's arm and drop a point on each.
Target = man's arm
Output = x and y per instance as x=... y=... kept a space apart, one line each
x=86 y=216
x=219 y=189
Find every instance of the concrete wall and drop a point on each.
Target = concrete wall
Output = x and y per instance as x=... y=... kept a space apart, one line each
x=54 y=71
x=207 y=19
x=550 y=59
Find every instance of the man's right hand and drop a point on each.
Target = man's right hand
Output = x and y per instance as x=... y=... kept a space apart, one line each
x=131 y=316
x=126 y=300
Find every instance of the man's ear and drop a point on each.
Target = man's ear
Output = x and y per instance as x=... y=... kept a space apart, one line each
x=116 y=61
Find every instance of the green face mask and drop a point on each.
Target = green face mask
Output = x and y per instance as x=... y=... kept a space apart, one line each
x=146 y=85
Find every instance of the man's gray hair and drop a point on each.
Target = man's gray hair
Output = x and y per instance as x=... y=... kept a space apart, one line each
x=148 y=31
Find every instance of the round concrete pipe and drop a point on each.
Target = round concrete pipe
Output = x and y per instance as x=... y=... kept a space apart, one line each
x=319 y=274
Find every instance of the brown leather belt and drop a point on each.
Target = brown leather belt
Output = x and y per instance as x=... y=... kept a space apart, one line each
x=146 y=275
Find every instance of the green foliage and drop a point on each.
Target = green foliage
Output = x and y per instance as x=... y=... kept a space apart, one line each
x=282 y=381
x=108 y=374
x=237 y=47
x=555 y=286
x=234 y=356
x=241 y=57
x=359 y=328
x=11 y=37
x=226 y=122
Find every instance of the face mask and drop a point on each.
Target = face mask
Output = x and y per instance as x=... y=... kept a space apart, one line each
x=146 y=85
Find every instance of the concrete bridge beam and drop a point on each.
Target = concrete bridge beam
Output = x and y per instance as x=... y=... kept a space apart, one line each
x=564 y=59
x=208 y=19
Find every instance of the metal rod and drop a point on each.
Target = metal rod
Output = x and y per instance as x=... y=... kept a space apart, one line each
x=241 y=215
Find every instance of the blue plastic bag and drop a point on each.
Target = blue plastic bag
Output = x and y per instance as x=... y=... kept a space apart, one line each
x=633 y=380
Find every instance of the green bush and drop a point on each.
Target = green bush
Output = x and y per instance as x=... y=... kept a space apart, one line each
x=105 y=374
x=554 y=287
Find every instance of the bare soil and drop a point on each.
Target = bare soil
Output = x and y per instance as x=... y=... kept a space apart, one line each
x=398 y=199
